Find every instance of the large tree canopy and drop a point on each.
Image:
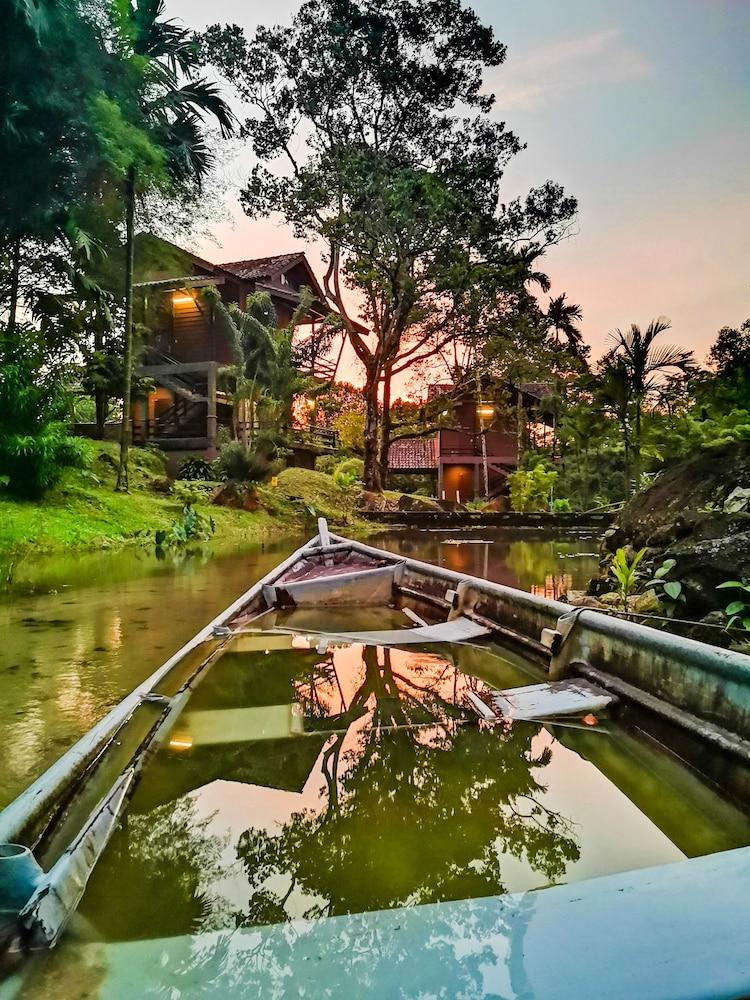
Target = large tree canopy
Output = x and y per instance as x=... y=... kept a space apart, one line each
x=375 y=135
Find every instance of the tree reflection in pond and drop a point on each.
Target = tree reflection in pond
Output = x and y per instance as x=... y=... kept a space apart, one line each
x=420 y=802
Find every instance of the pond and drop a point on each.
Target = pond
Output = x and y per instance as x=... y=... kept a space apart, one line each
x=80 y=631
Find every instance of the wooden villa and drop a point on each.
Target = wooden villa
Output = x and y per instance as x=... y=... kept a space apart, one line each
x=455 y=458
x=186 y=348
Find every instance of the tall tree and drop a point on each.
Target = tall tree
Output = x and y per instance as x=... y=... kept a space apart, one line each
x=399 y=172
x=643 y=363
x=52 y=63
x=168 y=105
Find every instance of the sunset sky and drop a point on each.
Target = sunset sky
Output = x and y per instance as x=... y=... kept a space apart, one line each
x=641 y=108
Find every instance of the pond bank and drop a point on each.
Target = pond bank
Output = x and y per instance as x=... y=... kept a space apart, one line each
x=554 y=524
x=83 y=512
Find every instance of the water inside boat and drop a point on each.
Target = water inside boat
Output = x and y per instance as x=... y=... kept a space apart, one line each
x=309 y=779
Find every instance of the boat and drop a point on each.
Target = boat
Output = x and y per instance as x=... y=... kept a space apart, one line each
x=674 y=931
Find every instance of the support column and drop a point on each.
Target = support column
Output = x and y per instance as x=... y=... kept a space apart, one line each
x=211 y=420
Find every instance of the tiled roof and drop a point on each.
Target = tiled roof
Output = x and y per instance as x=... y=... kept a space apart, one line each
x=413 y=454
x=262 y=267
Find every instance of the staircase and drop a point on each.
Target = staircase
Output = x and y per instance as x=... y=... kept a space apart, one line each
x=186 y=418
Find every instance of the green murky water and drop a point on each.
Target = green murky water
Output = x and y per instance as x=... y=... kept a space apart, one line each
x=79 y=632
x=311 y=780
x=306 y=781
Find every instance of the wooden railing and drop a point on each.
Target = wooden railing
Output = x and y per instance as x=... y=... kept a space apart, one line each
x=316 y=437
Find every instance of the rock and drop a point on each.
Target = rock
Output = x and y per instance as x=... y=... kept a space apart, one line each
x=372 y=501
x=646 y=603
x=611 y=600
x=659 y=538
x=580 y=600
x=406 y=502
x=682 y=516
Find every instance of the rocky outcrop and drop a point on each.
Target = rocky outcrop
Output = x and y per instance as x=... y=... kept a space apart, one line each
x=690 y=515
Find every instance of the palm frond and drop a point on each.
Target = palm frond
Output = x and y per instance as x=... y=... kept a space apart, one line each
x=198 y=97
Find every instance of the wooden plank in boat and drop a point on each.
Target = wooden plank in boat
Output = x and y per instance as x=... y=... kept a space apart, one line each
x=459 y=630
x=545 y=701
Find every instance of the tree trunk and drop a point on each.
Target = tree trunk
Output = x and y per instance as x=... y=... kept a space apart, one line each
x=637 y=446
x=100 y=393
x=385 y=428
x=372 y=438
x=15 y=269
x=122 y=472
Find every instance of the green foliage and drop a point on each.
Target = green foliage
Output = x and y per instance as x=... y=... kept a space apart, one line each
x=193 y=491
x=195 y=467
x=326 y=464
x=191 y=527
x=350 y=427
x=561 y=505
x=244 y=465
x=670 y=591
x=34 y=442
x=738 y=611
x=531 y=490
x=349 y=472
x=624 y=571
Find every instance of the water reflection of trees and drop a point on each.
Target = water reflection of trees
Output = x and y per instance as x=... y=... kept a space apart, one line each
x=155 y=878
x=420 y=806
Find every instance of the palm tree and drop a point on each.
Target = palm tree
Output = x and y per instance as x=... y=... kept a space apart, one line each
x=172 y=104
x=263 y=372
x=564 y=317
x=644 y=364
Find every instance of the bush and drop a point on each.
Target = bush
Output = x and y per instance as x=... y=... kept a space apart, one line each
x=192 y=526
x=349 y=472
x=243 y=465
x=195 y=468
x=326 y=464
x=34 y=442
x=561 y=506
x=192 y=491
x=530 y=491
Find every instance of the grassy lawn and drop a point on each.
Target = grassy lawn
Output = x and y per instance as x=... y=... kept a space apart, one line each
x=83 y=511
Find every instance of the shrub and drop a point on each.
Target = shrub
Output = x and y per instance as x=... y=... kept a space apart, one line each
x=243 y=465
x=561 y=506
x=530 y=491
x=34 y=442
x=195 y=468
x=349 y=472
x=192 y=526
x=192 y=491
x=326 y=464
